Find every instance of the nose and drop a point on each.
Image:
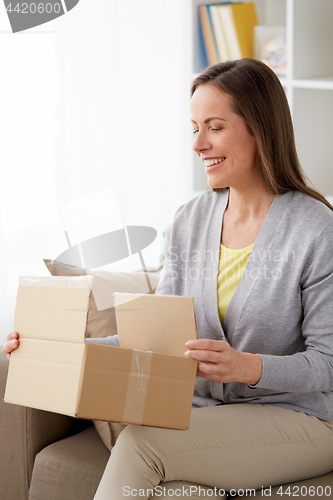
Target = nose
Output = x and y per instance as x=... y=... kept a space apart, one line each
x=201 y=143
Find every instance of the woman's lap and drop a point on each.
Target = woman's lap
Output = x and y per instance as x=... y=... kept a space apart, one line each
x=227 y=446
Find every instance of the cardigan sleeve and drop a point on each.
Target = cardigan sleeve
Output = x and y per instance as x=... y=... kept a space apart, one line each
x=165 y=283
x=312 y=369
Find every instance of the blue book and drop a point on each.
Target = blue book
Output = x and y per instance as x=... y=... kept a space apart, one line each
x=203 y=56
x=208 y=42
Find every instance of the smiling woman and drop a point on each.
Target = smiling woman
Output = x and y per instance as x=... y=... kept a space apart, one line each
x=263 y=401
x=265 y=337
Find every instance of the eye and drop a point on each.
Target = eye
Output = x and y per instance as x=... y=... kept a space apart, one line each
x=195 y=132
x=216 y=129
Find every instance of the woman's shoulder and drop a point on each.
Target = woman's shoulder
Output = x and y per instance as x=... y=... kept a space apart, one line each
x=313 y=212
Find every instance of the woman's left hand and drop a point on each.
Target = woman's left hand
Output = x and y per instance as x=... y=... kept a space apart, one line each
x=220 y=362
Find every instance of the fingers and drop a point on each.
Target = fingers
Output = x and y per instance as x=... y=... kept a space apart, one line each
x=11 y=344
x=211 y=351
x=216 y=359
x=220 y=372
x=212 y=372
x=207 y=344
x=214 y=365
x=12 y=335
x=208 y=356
x=208 y=368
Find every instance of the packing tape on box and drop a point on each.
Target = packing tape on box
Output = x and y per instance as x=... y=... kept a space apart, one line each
x=137 y=387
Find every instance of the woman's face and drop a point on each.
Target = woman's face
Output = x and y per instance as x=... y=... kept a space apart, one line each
x=222 y=140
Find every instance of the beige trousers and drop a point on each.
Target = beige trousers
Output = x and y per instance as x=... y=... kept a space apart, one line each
x=238 y=446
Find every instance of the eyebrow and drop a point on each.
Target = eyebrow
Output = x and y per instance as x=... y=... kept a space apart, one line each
x=209 y=119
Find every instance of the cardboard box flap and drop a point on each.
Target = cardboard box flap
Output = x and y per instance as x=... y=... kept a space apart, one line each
x=45 y=375
x=158 y=323
x=53 y=308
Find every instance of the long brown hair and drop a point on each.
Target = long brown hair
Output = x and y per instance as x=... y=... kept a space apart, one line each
x=259 y=98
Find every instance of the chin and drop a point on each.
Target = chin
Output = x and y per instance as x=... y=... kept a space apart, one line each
x=215 y=184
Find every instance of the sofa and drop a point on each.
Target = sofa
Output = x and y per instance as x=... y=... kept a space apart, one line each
x=47 y=456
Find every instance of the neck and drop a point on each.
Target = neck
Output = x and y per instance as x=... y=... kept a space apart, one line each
x=249 y=203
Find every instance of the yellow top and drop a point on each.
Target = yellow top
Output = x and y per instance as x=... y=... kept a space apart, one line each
x=232 y=265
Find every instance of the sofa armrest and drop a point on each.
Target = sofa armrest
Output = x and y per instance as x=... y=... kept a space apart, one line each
x=24 y=432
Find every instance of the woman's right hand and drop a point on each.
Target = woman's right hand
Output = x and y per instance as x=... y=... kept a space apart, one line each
x=11 y=344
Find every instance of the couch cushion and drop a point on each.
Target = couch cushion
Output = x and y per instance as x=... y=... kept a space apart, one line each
x=70 y=468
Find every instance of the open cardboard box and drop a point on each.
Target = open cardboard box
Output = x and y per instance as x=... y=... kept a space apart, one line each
x=146 y=381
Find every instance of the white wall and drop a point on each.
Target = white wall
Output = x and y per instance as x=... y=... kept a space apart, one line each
x=93 y=102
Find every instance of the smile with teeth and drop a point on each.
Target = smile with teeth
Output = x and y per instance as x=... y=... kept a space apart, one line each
x=208 y=163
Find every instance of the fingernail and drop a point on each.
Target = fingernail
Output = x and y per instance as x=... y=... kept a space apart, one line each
x=187 y=343
x=13 y=342
x=12 y=334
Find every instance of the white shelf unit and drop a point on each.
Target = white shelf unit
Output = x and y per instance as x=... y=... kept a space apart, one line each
x=308 y=83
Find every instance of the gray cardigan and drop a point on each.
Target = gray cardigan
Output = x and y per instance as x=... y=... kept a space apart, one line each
x=282 y=308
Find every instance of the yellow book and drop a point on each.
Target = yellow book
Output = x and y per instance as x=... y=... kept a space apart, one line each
x=245 y=18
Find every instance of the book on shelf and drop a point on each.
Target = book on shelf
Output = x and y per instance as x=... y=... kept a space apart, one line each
x=219 y=34
x=227 y=30
x=209 y=47
x=245 y=17
x=202 y=43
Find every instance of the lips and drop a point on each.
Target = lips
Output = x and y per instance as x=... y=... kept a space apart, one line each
x=213 y=163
